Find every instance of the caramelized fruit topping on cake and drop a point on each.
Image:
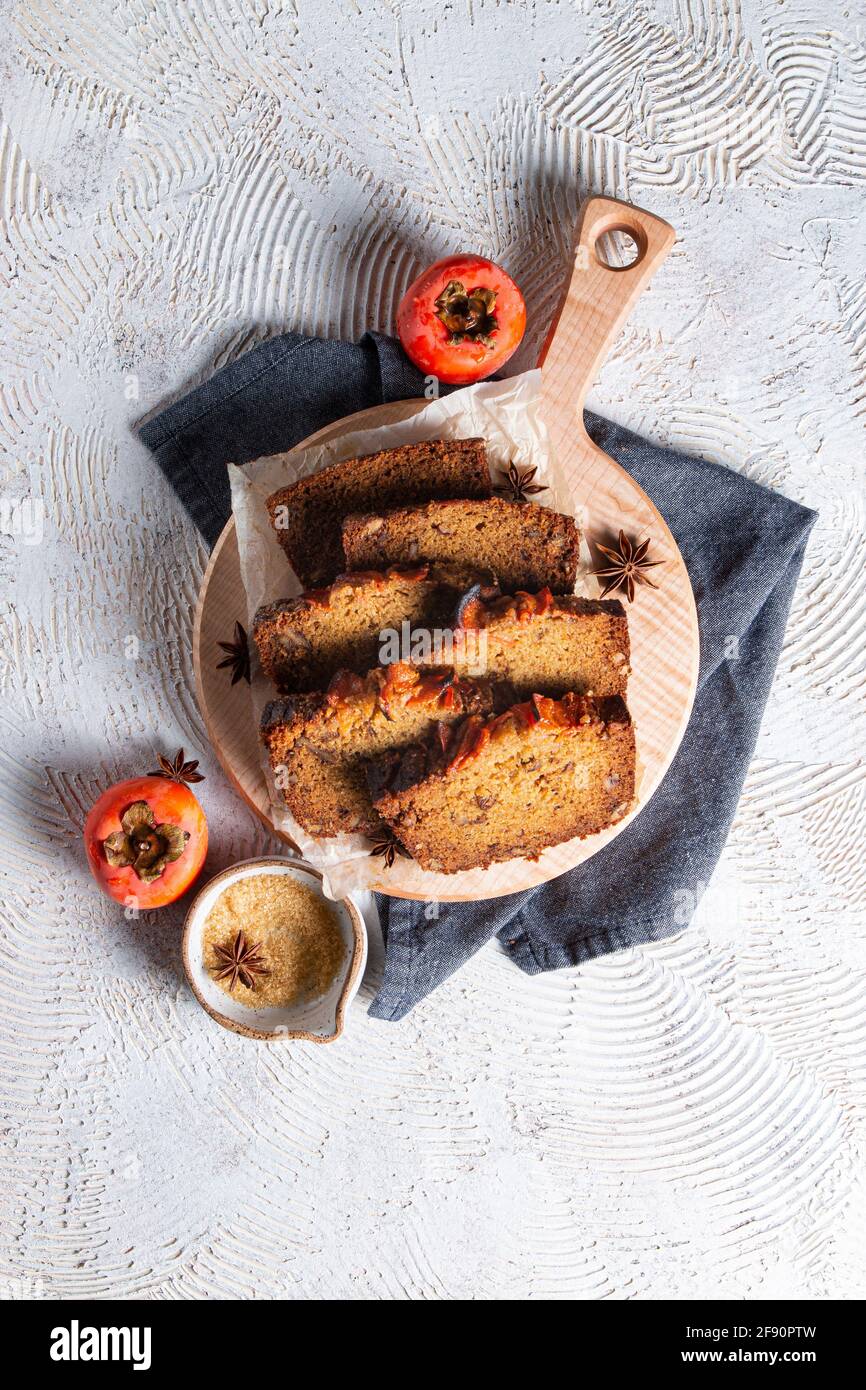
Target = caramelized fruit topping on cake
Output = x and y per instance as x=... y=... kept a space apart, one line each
x=318 y=745
x=543 y=642
x=509 y=786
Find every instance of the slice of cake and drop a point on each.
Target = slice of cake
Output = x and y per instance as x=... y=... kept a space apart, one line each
x=543 y=643
x=303 y=642
x=319 y=745
x=307 y=515
x=509 y=786
x=524 y=545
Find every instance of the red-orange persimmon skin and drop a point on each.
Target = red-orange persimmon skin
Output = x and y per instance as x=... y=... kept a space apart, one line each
x=170 y=801
x=429 y=342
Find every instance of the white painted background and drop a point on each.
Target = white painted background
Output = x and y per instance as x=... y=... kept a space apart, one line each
x=180 y=180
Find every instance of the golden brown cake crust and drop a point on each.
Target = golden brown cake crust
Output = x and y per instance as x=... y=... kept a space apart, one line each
x=307 y=515
x=303 y=642
x=318 y=745
x=524 y=545
x=493 y=789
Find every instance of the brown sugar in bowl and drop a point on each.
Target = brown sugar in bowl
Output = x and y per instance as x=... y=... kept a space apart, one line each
x=317 y=1018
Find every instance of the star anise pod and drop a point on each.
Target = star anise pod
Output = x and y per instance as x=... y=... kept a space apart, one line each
x=240 y=961
x=517 y=483
x=385 y=843
x=627 y=566
x=238 y=657
x=176 y=770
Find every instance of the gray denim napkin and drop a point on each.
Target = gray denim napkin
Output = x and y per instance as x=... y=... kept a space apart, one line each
x=743 y=546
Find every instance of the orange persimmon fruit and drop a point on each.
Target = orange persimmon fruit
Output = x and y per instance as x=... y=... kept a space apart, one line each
x=461 y=320
x=146 y=841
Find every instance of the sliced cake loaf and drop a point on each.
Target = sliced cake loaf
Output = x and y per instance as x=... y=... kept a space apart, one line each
x=524 y=545
x=303 y=642
x=307 y=515
x=543 y=643
x=509 y=786
x=318 y=745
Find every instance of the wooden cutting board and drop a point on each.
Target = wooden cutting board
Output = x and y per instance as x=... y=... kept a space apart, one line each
x=663 y=624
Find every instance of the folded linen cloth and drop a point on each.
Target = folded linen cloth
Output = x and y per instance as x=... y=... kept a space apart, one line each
x=743 y=545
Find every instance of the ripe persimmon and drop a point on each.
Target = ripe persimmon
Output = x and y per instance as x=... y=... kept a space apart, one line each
x=461 y=320
x=146 y=840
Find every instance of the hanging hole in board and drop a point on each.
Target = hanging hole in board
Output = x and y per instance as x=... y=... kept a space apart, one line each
x=619 y=248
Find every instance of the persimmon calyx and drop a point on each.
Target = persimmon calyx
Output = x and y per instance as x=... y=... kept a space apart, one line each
x=143 y=845
x=468 y=315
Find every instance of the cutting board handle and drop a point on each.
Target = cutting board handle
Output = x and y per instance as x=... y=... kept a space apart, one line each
x=597 y=303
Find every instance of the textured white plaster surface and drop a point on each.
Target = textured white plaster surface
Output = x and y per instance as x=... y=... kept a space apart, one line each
x=178 y=181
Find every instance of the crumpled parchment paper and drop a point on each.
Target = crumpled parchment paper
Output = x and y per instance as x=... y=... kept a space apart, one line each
x=506 y=415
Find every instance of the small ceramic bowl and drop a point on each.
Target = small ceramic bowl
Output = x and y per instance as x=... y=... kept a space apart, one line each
x=313 y=1020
